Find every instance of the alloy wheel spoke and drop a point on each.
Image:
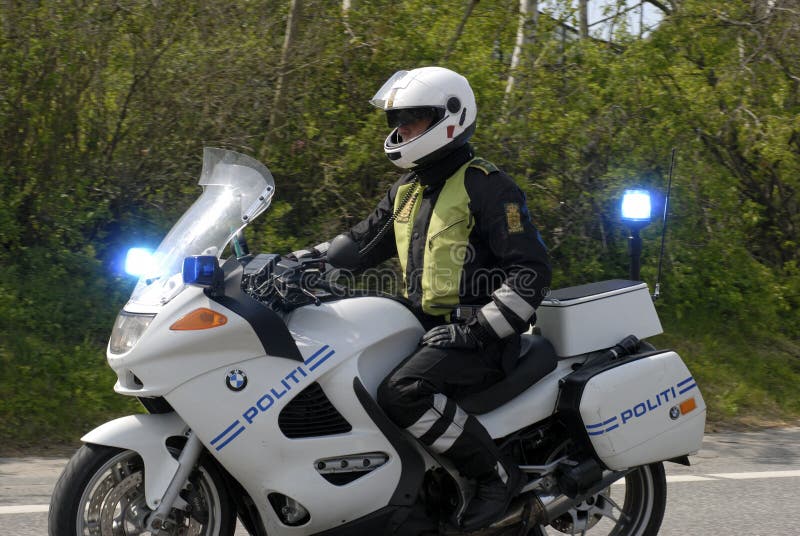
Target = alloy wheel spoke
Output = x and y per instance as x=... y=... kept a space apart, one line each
x=610 y=506
x=579 y=522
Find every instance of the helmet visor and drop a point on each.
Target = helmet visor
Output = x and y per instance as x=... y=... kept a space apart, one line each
x=380 y=99
x=406 y=116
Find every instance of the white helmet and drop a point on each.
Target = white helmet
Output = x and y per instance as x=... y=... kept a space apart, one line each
x=432 y=92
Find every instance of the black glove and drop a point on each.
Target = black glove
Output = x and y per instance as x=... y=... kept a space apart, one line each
x=311 y=253
x=458 y=336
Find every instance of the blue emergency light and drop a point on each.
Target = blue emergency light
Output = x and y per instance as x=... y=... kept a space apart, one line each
x=139 y=262
x=201 y=271
x=636 y=206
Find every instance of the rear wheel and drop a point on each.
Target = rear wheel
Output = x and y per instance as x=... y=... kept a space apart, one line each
x=101 y=493
x=633 y=509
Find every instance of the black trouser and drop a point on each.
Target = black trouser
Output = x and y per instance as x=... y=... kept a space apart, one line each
x=419 y=396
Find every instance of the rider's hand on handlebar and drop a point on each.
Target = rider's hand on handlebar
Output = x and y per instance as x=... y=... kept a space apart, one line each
x=307 y=254
x=303 y=254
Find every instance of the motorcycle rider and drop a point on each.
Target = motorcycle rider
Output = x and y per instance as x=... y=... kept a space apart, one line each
x=473 y=265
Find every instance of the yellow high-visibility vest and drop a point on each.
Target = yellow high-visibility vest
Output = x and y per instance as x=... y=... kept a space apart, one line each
x=447 y=240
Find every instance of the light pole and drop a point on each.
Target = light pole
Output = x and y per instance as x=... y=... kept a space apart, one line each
x=636 y=215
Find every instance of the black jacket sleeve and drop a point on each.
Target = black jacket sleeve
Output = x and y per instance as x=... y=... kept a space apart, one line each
x=367 y=230
x=504 y=223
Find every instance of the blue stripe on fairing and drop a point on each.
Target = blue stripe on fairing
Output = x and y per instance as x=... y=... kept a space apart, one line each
x=316 y=354
x=682 y=391
x=601 y=424
x=235 y=434
x=684 y=382
x=321 y=361
x=228 y=429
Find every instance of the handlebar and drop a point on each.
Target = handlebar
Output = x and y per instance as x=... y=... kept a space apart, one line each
x=284 y=283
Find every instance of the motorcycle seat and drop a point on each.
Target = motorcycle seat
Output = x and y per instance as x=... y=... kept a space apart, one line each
x=537 y=359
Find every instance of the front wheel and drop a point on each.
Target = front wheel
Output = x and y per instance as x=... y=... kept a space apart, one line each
x=633 y=509
x=101 y=493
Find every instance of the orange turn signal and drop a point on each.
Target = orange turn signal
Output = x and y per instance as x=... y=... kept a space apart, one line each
x=199 y=319
x=687 y=406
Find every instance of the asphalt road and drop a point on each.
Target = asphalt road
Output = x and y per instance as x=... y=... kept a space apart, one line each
x=739 y=483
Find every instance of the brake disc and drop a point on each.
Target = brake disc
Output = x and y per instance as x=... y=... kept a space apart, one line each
x=118 y=510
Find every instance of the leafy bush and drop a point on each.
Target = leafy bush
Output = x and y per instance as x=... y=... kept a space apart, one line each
x=57 y=309
x=105 y=108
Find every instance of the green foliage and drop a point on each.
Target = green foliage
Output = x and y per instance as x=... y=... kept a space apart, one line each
x=105 y=108
x=56 y=309
x=746 y=379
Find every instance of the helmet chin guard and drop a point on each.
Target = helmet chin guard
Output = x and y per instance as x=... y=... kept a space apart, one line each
x=428 y=87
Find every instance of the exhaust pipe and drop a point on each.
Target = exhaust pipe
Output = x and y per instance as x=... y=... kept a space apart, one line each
x=533 y=509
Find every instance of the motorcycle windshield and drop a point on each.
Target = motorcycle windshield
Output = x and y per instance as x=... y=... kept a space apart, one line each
x=236 y=190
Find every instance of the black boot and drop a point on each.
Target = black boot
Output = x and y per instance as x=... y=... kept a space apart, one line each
x=494 y=493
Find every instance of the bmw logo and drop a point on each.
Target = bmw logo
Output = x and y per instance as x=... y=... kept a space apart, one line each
x=674 y=413
x=236 y=380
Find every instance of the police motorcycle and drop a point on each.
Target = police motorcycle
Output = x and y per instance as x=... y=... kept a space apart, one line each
x=259 y=376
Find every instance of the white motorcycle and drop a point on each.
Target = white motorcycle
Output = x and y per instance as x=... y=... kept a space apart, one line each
x=259 y=377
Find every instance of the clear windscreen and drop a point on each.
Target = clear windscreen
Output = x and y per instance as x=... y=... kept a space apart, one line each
x=236 y=189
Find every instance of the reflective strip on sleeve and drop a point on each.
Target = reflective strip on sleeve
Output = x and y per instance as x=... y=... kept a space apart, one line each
x=452 y=433
x=493 y=315
x=429 y=418
x=424 y=423
x=514 y=301
x=323 y=247
x=501 y=472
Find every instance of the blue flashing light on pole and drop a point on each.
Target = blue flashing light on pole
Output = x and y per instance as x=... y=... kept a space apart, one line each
x=636 y=206
x=636 y=209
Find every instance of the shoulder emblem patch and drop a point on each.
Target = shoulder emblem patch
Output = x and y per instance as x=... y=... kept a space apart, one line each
x=484 y=165
x=513 y=218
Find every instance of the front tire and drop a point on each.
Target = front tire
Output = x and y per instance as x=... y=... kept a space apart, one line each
x=101 y=493
x=637 y=509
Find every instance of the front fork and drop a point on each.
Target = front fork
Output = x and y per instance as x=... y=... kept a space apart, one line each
x=171 y=499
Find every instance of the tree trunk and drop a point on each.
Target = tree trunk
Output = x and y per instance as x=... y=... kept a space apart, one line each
x=526 y=34
x=667 y=7
x=641 y=19
x=460 y=30
x=276 y=115
x=583 y=14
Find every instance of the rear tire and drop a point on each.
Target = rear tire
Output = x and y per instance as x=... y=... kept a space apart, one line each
x=101 y=493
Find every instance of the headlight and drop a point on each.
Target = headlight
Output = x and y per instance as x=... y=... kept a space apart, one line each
x=128 y=329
